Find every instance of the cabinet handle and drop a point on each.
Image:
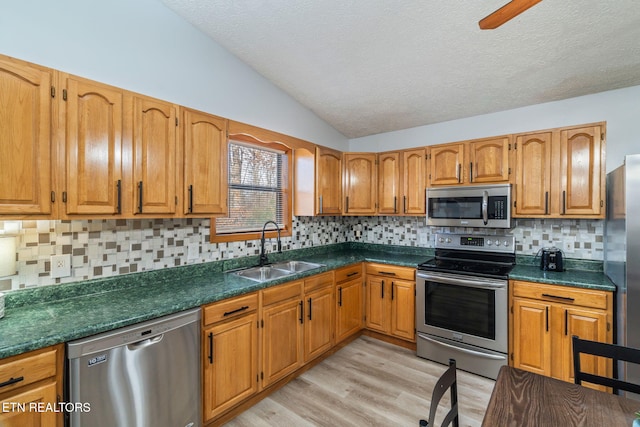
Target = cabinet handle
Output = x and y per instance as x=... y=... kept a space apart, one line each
x=568 y=299
x=140 y=197
x=546 y=317
x=309 y=308
x=404 y=204
x=458 y=173
x=211 y=348
x=346 y=210
x=119 y=201
x=352 y=274
x=301 y=312
x=191 y=199
x=320 y=204
x=470 y=171
x=392 y=291
x=395 y=204
x=340 y=296
x=11 y=381
x=546 y=203
x=564 y=202
x=388 y=273
x=566 y=322
x=238 y=310
x=382 y=290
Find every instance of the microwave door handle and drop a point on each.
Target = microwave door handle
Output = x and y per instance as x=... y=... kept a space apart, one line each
x=485 y=207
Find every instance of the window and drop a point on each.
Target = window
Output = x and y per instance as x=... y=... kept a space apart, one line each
x=258 y=191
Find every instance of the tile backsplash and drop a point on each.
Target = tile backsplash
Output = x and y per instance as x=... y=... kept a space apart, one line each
x=104 y=248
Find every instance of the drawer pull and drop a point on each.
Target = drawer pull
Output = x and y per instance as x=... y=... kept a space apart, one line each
x=352 y=274
x=568 y=299
x=388 y=273
x=11 y=381
x=229 y=313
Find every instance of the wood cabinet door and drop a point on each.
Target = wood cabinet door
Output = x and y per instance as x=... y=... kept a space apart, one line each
x=155 y=128
x=205 y=164
x=281 y=340
x=489 y=160
x=25 y=138
x=582 y=171
x=377 y=305
x=414 y=181
x=318 y=323
x=532 y=336
x=589 y=325
x=230 y=358
x=389 y=183
x=43 y=394
x=349 y=308
x=329 y=181
x=533 y=174
x=403 y=309
x=93 y=148
x=360 y=183
x=445 y=163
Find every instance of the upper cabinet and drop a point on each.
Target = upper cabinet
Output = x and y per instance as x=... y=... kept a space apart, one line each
x=560 y=173
x=478 y=161
x=93 y=148
x=154 y=155
x=25 y=139
x=205 y=163
x=360 y=184
x=328 y=181
x=402 y=177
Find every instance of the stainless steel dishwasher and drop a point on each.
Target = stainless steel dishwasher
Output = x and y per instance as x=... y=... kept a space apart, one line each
x=145 y=375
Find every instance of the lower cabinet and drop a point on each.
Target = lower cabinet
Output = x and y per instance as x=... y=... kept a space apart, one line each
x=319 y=317
x=390 y=300
x=349 y=301
x=28 y=383
x=230 y=353
x=545 y=317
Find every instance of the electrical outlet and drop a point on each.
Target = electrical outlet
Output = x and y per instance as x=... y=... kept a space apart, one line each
x=60 y=266
x=569 y=246
x=192 y=252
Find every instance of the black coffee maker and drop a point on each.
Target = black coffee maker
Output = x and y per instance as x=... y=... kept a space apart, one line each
x=551 y=259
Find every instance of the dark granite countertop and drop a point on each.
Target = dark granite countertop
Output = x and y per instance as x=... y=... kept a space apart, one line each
x=40 y=317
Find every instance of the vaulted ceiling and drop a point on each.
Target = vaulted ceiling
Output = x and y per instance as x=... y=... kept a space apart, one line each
x=373 y=66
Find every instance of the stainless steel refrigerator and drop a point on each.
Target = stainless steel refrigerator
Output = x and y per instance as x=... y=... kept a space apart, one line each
x=622 y=256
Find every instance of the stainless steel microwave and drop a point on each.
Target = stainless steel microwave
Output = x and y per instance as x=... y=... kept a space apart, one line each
x=486 y=206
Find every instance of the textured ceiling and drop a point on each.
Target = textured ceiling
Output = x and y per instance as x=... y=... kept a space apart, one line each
x=372 y=66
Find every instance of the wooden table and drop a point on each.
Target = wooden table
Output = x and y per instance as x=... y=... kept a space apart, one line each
x=522 y=399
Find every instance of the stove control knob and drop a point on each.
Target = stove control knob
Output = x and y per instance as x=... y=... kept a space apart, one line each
x=441 y=240
x=448 y=239
x=489 y=242
x=506 y=243
x=497 y=242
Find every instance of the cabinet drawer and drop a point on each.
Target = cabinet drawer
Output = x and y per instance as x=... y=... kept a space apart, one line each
x=318 y=282
x=392 y=271
x=562 y=294
x=228 y=309
x=22 y=370
x=281 y=293
x=348 y=273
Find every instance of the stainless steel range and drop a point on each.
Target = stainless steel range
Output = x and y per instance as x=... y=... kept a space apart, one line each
x=462 y=302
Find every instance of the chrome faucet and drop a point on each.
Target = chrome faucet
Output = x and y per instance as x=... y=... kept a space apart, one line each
x=263 y=256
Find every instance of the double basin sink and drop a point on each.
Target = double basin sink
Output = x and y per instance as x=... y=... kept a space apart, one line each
x=276 y=271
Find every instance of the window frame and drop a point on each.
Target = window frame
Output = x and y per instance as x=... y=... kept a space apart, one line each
x=287 y=191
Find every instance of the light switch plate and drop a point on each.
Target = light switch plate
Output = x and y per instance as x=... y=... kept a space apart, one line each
x=60 y=266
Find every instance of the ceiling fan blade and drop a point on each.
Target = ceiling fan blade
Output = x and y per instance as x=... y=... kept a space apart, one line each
x=505 y=13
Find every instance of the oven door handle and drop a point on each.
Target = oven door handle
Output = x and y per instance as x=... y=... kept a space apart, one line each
x=462 y=350
x=485 y=207
x=463 y=281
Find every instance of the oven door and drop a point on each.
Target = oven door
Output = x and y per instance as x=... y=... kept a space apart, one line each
x=464 y=309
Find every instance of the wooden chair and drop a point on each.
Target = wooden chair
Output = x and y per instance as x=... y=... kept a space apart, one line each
x=447 y=381
x=611 y=351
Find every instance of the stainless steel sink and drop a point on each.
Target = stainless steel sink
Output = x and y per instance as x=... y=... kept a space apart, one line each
x=297 y=266
x=276 y=271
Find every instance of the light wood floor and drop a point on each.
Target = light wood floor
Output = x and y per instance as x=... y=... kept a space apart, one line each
x=367 y=383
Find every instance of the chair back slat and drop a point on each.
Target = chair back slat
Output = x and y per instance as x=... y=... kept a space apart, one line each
x=447 y=381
